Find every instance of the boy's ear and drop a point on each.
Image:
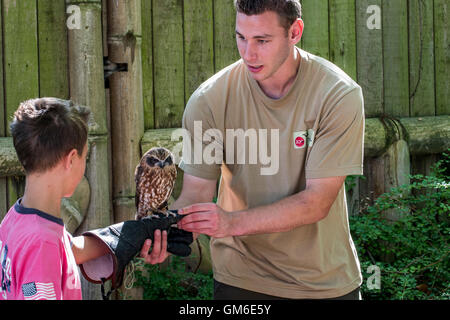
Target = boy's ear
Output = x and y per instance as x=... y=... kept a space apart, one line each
x=68 y=159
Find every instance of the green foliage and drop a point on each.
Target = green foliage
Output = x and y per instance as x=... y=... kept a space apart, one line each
x=173 y=282
x=412 y=252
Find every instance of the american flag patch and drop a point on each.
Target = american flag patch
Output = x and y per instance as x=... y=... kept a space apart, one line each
x=38 y=291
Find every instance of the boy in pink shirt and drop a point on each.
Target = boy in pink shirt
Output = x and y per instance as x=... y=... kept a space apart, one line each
x=38 y=253
x=38 y=256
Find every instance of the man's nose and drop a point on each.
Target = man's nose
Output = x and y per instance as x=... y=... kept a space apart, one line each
x=250 y=52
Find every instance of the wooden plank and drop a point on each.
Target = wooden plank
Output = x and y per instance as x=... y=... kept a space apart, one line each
x=421 y=58
x=20 y=54
x=20 y=66
x=421 y=71
x=168 y=63
x=343 y=35
x=315 y=35
x=369 y=53
x=147 y=64
x=395 y=58
x=53 y=57
x=225 y=50
x=198 y=44
x=442 y=55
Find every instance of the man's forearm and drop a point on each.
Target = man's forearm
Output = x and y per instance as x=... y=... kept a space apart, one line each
x=281 y=216
x=303 y=208
x=306 y=207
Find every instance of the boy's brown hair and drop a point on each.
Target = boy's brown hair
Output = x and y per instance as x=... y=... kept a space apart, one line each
x=44 y=130
x=287 y=10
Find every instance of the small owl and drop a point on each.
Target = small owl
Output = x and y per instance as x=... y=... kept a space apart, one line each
x=155 y=178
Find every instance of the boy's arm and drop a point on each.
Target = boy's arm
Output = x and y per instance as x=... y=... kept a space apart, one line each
x=88 y=248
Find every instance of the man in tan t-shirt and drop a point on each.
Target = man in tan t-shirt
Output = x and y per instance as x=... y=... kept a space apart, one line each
x=281 y=128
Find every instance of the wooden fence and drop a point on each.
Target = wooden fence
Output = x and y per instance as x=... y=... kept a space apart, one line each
x=397 y=50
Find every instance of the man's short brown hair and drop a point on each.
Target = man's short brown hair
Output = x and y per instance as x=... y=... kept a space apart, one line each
x=287 y=10
x=44 y=130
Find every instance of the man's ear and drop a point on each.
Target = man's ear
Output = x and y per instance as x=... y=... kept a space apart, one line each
x=68 y=158
x=296 y=31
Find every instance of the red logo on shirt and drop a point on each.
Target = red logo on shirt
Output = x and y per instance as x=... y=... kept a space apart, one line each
x=299 y=142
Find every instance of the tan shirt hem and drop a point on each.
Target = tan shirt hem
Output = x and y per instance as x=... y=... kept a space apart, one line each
x=285 y=292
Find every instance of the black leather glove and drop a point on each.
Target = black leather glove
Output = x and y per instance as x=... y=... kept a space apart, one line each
x=124 y=240
x=178 y=242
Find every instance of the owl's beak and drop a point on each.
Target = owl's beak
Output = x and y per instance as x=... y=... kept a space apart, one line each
x=160 y=164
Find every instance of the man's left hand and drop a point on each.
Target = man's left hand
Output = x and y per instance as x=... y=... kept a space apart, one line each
x=206 y=218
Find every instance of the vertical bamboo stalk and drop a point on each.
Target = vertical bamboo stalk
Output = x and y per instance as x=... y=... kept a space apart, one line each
x=87 y=88
x=127 y=120
x=126 y=103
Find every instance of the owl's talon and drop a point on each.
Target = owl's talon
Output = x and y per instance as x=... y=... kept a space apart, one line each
x=159 y=214
x=172 y=213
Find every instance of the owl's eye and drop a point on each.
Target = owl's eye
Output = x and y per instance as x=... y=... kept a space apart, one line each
x=168 y=161
x=152 y=161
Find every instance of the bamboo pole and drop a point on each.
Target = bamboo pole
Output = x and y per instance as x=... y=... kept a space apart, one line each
x=124 y=39
x=87 y=88
x=127 y=113
x=74 y=209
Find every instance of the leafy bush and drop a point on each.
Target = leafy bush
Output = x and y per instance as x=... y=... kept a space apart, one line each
x=412 y=252
x=173 y=282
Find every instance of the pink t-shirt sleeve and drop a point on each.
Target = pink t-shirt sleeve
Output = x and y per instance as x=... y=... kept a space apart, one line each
x=40 y=274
